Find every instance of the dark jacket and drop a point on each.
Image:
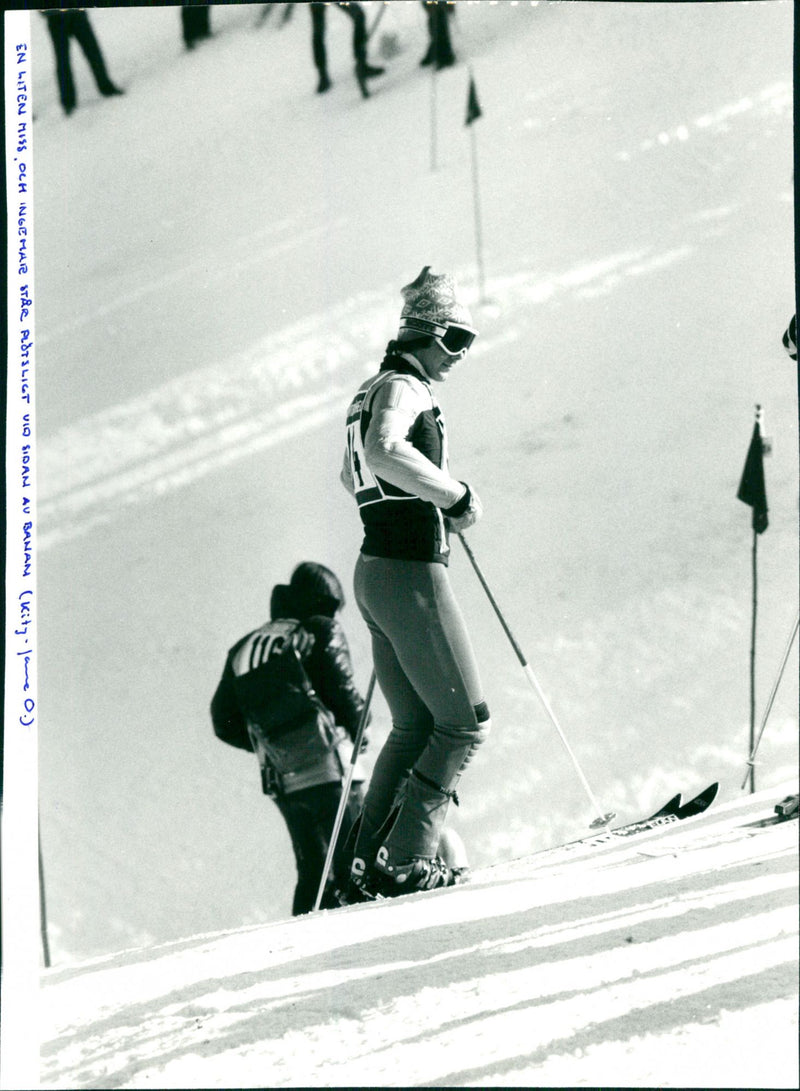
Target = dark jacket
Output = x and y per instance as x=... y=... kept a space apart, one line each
x=240 y=698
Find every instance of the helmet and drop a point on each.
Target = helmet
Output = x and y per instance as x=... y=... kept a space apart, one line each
x=315 y=590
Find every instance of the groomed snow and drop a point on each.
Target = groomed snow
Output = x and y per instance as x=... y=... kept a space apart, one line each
x=668 y=959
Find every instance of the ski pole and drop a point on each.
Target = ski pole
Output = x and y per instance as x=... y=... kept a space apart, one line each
x=751 y=759
x=602 y=819
x=362 y=723
x=377 y=20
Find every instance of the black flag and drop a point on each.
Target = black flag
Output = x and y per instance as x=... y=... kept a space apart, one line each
x=473 y=108
x=752 y=489
x=790 y=338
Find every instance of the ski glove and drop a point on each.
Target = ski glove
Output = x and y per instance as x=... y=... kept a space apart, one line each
x=465 y=512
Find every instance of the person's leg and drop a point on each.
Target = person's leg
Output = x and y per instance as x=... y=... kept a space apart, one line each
x=318 y=46
x=187 y=26
x=430 y=53
x=204 y=21
x=438 y=15
x=412 y=605
x=364 y=70
x=356 y=13
x=296 y=818
x=319 y=805
x=84 y=35
x=58 y=26
x=310 y=815
x=412 y=722
x=340 y=867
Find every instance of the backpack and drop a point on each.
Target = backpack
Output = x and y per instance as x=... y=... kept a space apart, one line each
x=294 y=735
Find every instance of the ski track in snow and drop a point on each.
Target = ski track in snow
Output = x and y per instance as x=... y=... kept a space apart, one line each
x=199 y=422
x=204 y=420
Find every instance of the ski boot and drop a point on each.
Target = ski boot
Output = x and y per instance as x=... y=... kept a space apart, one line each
x=364 y=884
x=411 y=875
x=366 y=72
x=384 y=879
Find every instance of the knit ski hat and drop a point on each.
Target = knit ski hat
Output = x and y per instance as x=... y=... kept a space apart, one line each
x=432 y=300
x=315 y=590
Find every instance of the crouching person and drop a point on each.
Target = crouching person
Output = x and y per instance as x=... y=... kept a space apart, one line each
x=287 y=694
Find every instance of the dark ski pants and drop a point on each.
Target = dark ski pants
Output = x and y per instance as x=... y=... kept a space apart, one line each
x=426 y=669
x=310 y=815
x=440 y=50
x=64 y=25
x=356 y=13
x=195 y=24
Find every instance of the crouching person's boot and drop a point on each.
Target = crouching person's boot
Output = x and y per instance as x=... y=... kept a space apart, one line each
x=364 y=883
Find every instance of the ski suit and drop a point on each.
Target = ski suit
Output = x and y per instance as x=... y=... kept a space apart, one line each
x=396 y=467
x=308 y=799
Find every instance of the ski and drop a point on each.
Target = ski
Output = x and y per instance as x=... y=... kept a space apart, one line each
x=701 y=802
x=671 y=812
x=671 y=807
x=674 y=810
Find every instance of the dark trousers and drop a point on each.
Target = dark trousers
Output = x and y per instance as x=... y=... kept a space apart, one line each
x=356 y=13
x=440 y=49
x=64 y=25
x=309 y=815
x=195 y=23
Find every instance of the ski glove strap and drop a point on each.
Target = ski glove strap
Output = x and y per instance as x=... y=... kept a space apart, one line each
x=466 y=511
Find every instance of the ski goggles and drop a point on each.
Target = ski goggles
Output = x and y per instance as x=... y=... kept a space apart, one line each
x=454 y=337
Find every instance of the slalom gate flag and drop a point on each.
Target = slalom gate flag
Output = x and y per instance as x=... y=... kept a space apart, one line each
x=752 y=488
x=473 y=107
x=790 y=338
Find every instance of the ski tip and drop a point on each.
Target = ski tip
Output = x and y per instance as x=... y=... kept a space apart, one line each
x=701 y=802
x=602 y=820
x=672 y=807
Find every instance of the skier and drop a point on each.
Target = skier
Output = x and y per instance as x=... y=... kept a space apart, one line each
x=265 y=703
x=396 y=467
x=66 y=23
x=364 y=70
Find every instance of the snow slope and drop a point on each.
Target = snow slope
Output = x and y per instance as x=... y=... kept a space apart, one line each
x=665 y=960
x=219 y=256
